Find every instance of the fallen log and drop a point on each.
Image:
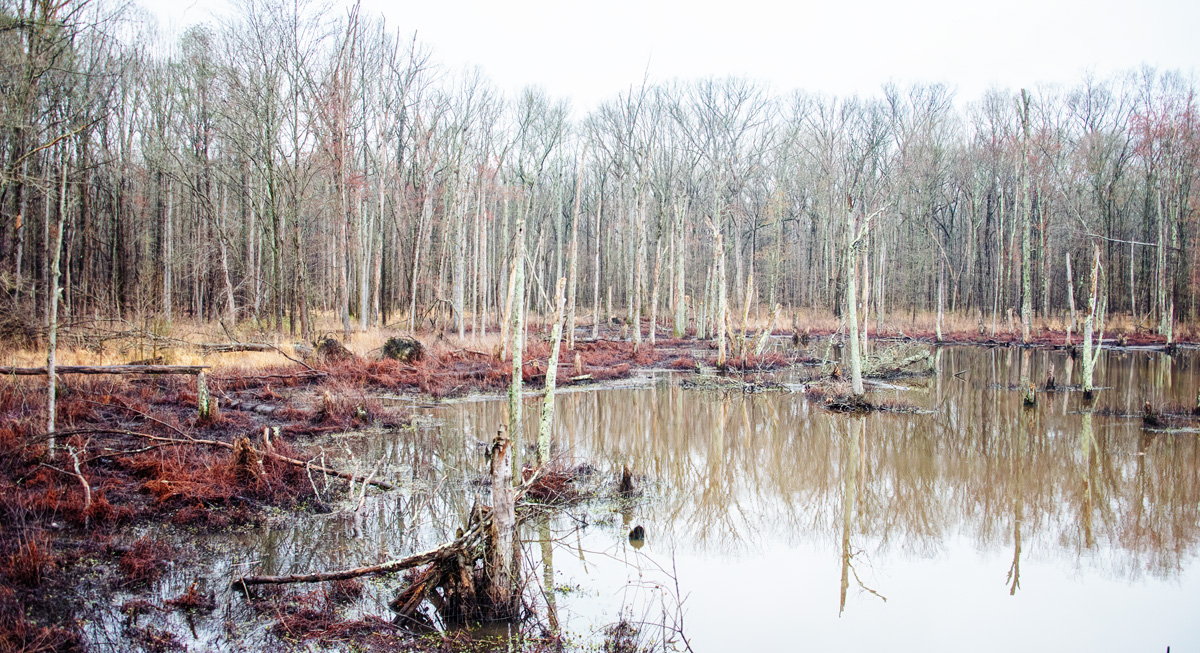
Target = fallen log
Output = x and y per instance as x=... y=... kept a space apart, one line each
x=105 y=369
x=251 y=407
x=227 y=347
x=467 y=541
x=885 y=369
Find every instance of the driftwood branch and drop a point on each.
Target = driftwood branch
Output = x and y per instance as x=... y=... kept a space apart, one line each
x=467 y=540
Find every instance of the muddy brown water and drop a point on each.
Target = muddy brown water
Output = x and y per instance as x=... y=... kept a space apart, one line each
x=771 y=524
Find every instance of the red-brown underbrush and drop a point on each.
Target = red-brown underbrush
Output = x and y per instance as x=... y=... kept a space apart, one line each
x=314 y=615
x=748 y=362
x=18 y=633
x=144 y=562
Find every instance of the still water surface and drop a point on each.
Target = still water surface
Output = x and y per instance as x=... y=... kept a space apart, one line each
x=972 y=524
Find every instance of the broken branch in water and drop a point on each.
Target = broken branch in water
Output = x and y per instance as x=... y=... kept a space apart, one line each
x=464 y=542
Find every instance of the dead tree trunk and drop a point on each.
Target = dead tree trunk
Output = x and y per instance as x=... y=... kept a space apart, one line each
x=544 y=427
x=1097 y=304
x=501 y=554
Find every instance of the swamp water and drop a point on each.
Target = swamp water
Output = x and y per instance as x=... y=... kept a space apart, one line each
x=772 y=524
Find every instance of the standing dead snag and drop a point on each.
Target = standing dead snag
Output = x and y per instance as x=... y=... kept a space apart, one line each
x=1097 y=304
x=501 y=541
x=206 y=404
x=518 y=331
x=719 y=318
x=855 y=232
x=543 y=441
x=52 y=312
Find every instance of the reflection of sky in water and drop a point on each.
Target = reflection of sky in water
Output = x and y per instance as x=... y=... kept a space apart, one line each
x=754 y=498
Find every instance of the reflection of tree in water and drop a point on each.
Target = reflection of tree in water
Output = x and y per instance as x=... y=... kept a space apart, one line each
x=725 y=472
x=852 y=467
x=729 y=468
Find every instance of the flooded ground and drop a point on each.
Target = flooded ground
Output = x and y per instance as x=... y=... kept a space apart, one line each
x=772 y=524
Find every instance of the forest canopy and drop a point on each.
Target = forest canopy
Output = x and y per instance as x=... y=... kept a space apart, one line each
x=288 y=162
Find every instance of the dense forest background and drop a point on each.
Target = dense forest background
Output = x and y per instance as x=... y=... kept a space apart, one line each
x=295 y=161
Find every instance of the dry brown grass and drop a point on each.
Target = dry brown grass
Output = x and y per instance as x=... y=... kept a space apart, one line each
x=129 y=341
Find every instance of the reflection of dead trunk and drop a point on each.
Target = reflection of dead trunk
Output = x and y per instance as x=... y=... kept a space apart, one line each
x=1014 y=570
x=548 y=571
x=849 y=496
x=501 y=541
x=855 y=458
x=1087 y=445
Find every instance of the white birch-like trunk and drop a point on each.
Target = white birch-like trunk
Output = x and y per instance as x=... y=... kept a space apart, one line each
x=502 y=563
x=573 y=258
x=547 y=421
x=518 y=333
x=851 y=306
x=719 y=282
x=596 y=269
x=1097 y=303
x=52 y=309
x=169 y=253
x=1070 y=298
x=680 y=326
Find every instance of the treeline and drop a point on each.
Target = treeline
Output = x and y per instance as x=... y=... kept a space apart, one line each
x=289 y=162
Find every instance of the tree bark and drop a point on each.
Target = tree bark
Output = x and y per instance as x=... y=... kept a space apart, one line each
x=547 y=422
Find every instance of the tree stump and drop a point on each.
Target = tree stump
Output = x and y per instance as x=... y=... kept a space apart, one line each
x=246 y=463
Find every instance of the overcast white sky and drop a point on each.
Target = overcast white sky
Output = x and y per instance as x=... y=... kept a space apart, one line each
x=590 y=51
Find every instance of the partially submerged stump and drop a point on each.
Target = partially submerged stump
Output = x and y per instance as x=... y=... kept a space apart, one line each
x=626 y=487
x=1150 y=417
x=1030 y=398
x=637 y=536
x=848 y=403
x=404 y=349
